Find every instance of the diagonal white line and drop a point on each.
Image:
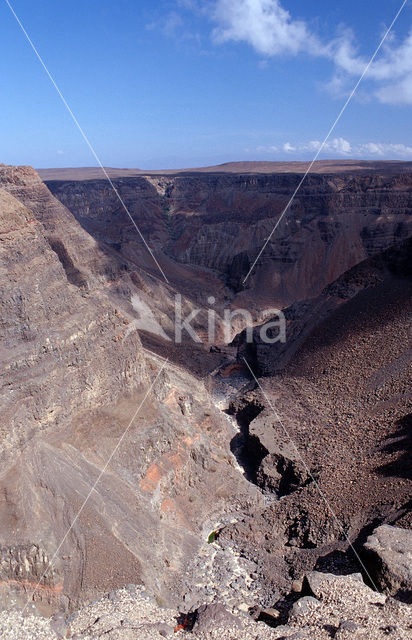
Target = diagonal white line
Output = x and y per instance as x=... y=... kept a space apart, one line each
x=119 y=442
x=85 y=138
x=322 y=495
x=365 y=71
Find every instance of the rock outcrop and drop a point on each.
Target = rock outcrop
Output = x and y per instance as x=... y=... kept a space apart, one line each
x=56 y=321
x=305 y=316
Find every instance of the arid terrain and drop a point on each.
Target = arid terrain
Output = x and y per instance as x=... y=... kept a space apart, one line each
x=222 y=488
x=320 y=166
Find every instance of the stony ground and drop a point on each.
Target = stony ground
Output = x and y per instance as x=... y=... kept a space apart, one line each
x=340 y=607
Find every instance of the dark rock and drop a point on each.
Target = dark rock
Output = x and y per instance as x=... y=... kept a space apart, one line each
x=349 y=626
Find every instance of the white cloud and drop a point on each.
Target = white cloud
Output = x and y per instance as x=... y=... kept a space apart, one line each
x=270 y=149
x=172 y=23
x=265 y=25
x=336 y=145
x=396 y=93
x=398 y=151
x=373 y=149
x=391 y=73
x=340 y=147
x=272 y=31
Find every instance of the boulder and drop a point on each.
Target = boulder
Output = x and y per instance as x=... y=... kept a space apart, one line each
x=214 y=616
x=389 y=558
x=303 y=607
x=322 y=584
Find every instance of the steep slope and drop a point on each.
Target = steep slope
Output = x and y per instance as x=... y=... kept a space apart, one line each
x=60 y=339
x=328 y=438
x=305 y=315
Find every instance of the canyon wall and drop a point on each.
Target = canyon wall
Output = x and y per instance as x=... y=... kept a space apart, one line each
x=217 y=223
x=75 y=382
x=61 y=337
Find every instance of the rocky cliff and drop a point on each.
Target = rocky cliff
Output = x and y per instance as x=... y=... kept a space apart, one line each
x=304 y=316
x=56 y=321
x=73 y=376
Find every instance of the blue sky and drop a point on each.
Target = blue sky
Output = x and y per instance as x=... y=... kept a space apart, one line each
x=180 y=83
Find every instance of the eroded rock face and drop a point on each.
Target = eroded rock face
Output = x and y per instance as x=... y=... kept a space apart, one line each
x=26 y=563
x=56 y=322
x=62 y=354
x=267 y=459
x=303 y=317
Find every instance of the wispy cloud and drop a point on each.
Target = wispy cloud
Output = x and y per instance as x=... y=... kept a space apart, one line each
x=169 y=24
x=272 y=31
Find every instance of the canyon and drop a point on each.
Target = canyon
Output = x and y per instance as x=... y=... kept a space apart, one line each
x=217 y=472
x=218 y=223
